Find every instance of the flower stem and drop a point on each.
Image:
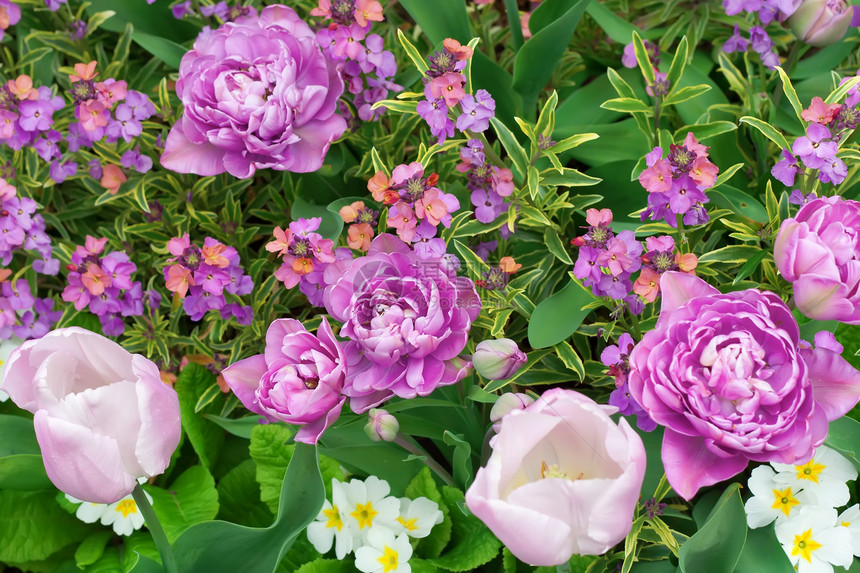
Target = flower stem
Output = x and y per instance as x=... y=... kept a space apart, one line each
x=168 y=560
x=404 y=442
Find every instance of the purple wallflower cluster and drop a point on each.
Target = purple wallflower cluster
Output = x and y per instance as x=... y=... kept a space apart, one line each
x=103 y=284
x=22 y=228
x=21 y=314
x=366 y=67
x=417 y=206
x=606 y=261
x=490 y=185
x=444 y=91
x=763 y=12
x=661 y=86
x=617 y=357
x=305 y=255
x=817 y=149
x=676 y=185
x=202 y=276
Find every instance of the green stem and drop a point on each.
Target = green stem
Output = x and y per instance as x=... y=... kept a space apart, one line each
x=168 y=560
x=404 y=442
x=657 y=119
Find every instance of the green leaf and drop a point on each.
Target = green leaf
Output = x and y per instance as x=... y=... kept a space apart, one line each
x=628 y=104
x=33 y=526
x=843 y=89
x=440 y=19
x=750 y=266
x=767 y=130
x=165 y=50
x=462 y=462
x=717 y=546
x=92 y=548
x=790 y=94
x=241 y=427
x=727 y=174
x=686 y=93
x=323 y=565
x=568 y=178
x=191 y=499
x=705 y=131
x=515 y=151
x=731 y=254
x=18 y=436
x=642 y=60
x=269 y=449
x=411 y=51
x=546 y=120
x=622 y=87
x=679 y=62
x=222 y=547
x=206 y=438
x=763 y=553
x=23 y=472
x=239 y=497
x=423 y=485
x=570 y=358
x=739 y=202
x=617 y=28
x=472 y=544
x=573 y=141
x=555 y=246
x=844 y=437
x=545 y=329
x=397 y=105
x=538 y=58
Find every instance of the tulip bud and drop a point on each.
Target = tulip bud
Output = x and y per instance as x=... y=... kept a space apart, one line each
x=382 y=426
x=821 y=22
x=498 y=359
x=506 y=404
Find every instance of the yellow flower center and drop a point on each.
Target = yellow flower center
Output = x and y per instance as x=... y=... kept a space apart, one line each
x=364 y=514
x=810 y=470
x=409 y=524
x=553 y=471
x=334 y=519
x=804 y=545
x=126 y=506
x=784 y=500
x=845 y=523
x=389 y=560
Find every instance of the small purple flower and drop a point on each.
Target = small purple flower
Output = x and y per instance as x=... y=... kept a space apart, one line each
x=798 y=198
x=181 y=9
x=759 y=39
x=736 y=43
x=815 y=148
x=46 y=146
x=133 y=158
x=833 y=170
x=35 y=115
x=95 y=168
x=477 y=111
x=786 y=168
x=61 y=171
x=54 y=5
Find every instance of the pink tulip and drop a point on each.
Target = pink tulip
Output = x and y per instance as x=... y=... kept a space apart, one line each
x=103 y=417
x=821 y=22
x=563 y=478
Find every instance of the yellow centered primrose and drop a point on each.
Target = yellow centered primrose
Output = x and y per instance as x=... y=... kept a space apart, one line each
x=389 y=560
x=810 y=470
x=784 y=501
x=804 y=545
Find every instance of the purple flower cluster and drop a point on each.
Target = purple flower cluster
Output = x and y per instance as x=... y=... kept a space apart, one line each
x=103 y=283
x=22 y=228
x=21 y=314
x=305 y=255
x=676 y=185
x=661 y=85
x=490 y=185
x=10 y=15
x=617 y=357
x=817 y=149
x=201 y=277
x=366 y=67
x=765 y=12
x=417 y=206
x=444 y=91
x=606 y=260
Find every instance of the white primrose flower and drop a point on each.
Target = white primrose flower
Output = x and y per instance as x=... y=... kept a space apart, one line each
x=88 y=512
x=850 y=520
x=772 y=501
x=384 y=553
x=814 y=541
x=417 y=517
x=331 y=526
x=825 y=477
x=124 y=515
x=369 y=506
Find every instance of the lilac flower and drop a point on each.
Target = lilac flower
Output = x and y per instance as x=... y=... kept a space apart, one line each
x=61 y=171
x=219 y=10
x=786 y=168
x=19 y=297
x=54 y=5
x=133 y=158
x=798 y=198
x=95 y=168
x=586 y=267
x=833 y=170
x=141 y=106
x=78 y=30
x=35 y=115
x=488 y=205
x=815 y=148
x=736 y=43
x=485 y=249
x=759 y=40
x=46 y=145
x=181 y=9
x=123 y=125
x=477 y=111
x=426 y=244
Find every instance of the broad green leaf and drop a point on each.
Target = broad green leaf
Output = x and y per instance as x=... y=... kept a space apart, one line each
x=844 y=437
x=642 y=60
x=555 y=246
x=763 y=553
x=23 y=472
x=472 y=544
x=332 y=223
x=767 y=130
x=165 y=50
x=206 y=438
x=239 y=497
x=739 y=202
x=423 y=485
x=323 y=565
x=241 y=427
x=617 y=28
x=731 y=254
x=515 y=151
x=679 y=62
x=417 y=59
x=717 y=545
x=538 y=58
x=18 y=436
x=189 y=500
x=440 y=19
x=92 y=548
x=790 y=94
x=462 y=462
x=33 y=526
x=513 y=13
x=222 y=547
x=547 y=328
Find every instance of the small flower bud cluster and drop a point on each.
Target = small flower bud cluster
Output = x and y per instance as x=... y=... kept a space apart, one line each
x=103 y=283
x=202 y=276
x=444 y=91
x=676 y=185
x=367 y=69
x=416 y=206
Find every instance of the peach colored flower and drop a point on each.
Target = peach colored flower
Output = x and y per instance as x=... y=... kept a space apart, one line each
x=112 y=178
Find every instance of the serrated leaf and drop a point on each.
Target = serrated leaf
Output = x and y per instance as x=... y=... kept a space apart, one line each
x=472 y=544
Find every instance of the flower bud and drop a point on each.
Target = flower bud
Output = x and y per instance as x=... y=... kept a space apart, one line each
x=821 y=22
x=498 y=359
x=382 y=426
x=507 y=403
